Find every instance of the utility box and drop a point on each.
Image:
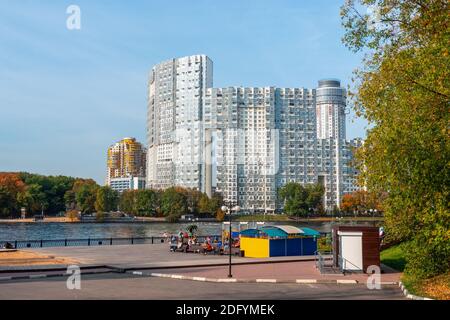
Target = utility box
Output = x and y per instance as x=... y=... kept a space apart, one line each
x=355 y=248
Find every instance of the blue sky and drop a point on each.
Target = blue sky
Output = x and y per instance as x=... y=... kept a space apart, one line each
x=65 y=96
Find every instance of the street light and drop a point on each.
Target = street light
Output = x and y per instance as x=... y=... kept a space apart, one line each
x=228 y=211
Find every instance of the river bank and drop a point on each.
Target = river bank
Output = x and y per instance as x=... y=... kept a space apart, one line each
x=246 y=218
x=68 y=220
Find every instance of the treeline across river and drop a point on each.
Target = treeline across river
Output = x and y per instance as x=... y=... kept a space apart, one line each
x=53 y=195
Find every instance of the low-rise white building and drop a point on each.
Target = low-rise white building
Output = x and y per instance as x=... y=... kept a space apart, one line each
x=127 y=183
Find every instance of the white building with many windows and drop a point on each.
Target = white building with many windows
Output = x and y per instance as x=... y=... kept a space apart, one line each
x=245 y=143
x=174 y=122
x=127 y=183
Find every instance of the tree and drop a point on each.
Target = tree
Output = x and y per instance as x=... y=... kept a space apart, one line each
x=348 y=203
x=146 y=202
x=8 y=204
x=300 y=200
x=215 y=203
x=69 y=200
x=85 y=197
x=11 y=188
x=403 y=91
x=220 y=215
x=173 y=204
x=193 y=198
x=53 y=189
x=314 y=196
x=106 y=200
x=362 y=202
x=204 y=204
x=127 y=202
x=37 y=192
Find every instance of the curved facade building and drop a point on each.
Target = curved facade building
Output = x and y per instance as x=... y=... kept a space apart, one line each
x=330 y=109
x=174 y=122
x=330 y=119
x=244 y=142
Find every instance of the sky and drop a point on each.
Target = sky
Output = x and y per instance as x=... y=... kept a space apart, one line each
x=66 y=95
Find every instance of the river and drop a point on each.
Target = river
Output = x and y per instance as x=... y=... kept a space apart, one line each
x=55 y=230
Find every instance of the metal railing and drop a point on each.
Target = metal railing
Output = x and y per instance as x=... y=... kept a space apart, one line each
x=324 y=260
x=343 y=265
x=44 y=243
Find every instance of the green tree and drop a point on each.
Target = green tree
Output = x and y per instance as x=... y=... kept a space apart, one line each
x=127 y=202
x=8 y=204
x=173 y=204
x=69 y=200
x=314 y=196
x=53 y=189
x=106 y=200
x=33 y=198
x=215 y=203
x=85 y=197
x=146 y=202
x=299 y=200
x=403 y=91
x=193 y=198
x=204 y=204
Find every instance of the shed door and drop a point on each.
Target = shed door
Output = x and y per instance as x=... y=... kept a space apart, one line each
x=350 y=244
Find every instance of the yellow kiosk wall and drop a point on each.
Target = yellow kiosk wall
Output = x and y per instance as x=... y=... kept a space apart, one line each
x=255 y=247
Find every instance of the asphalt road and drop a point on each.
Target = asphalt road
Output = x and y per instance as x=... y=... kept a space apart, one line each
x=125 y=286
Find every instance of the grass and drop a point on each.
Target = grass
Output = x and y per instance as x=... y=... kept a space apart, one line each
x=394 y=257
x=436 y=288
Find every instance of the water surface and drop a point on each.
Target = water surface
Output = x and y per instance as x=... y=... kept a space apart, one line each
x=55 y=230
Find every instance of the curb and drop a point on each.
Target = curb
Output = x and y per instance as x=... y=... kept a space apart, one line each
x=53 y=275
x=206 y=265
x=33 y=276
x=50 y=267
x=235 y=280
x=409 y=295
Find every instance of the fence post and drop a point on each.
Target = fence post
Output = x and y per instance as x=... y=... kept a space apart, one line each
x=110 y=241
x=132 y=240
x=65 y=242
x=41 y=243
x=89 y=241
x=152 y=240
x=15 y=244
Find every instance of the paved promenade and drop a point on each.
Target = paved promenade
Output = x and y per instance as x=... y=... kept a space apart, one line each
x=142 y=271
x=147 y=256
x=157 y=258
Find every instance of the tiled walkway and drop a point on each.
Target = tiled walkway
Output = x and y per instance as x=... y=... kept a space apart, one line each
x=278 y=271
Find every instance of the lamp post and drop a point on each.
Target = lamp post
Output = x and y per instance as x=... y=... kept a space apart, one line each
x=228 y=211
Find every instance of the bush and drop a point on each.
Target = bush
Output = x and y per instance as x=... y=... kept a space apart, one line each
x=72 y=215
x=172 y=218
x=100 y=216
x=427 y=258
x=220 y=215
